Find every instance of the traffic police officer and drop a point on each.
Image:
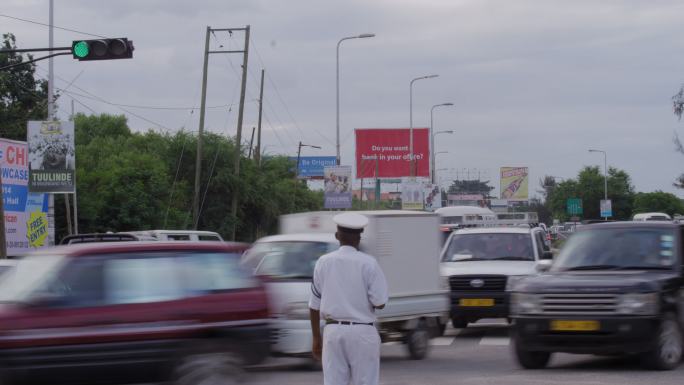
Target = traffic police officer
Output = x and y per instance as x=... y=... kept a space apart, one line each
x=347 y=287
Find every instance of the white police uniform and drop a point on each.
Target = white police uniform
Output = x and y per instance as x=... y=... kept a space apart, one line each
x=347 y=285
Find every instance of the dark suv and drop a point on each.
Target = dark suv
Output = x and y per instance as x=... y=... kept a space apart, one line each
x=130 y=312
x=615 y=288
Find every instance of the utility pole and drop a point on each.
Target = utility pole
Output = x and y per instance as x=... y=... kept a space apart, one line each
x=76 y=189
x=198 y=162
x=251 y=143
x=200 y=134
x=51 y=116
x=257 y=154
x=238 y=138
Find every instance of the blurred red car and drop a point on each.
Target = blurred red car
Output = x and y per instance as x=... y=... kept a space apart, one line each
x=131 y=312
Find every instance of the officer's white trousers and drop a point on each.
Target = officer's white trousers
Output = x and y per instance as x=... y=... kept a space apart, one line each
x=351 y=355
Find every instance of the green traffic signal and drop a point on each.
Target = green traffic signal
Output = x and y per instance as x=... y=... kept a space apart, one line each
x=102 y=49
x=81 y=49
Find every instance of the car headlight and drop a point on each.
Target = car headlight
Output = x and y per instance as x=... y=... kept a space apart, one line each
x=513 y=280
x=444 y=283
x=638 y=303
x=525 y=303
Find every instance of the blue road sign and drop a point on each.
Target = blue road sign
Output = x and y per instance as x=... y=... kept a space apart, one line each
x=311 y=167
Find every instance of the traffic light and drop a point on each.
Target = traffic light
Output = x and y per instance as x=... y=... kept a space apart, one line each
x=102 y=49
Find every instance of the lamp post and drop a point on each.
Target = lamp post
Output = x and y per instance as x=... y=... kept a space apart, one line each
x=432 y=145
x=434 y=171
x=411 y=159
x=605 y=174
x=337 y=87
x=299 y=153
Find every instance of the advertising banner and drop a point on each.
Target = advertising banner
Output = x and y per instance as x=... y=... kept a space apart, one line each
x=26 y=225
x=412 y=195
x=386 y=151
x=52 y=156
x=432 y=196
x=514 y=183
x=337 y=187
x=606 y=208
x=311 y=167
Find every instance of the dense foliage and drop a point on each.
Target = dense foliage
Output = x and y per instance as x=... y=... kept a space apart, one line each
x=138 y=181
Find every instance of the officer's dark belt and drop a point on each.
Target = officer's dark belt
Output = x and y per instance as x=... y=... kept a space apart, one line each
x=333 y=322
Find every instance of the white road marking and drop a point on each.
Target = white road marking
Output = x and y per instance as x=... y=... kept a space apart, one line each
x=495 y=341
x=442 y=341
x=451 y=332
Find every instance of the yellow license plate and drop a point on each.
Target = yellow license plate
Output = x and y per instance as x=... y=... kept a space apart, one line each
x=481 y=302
x=575 y=326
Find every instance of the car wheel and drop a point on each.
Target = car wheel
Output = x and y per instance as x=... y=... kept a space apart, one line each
x=528 y=359
x=668 y=353
x=441 y=328
x=208 y=368
x=418 y=341
x=459 y=323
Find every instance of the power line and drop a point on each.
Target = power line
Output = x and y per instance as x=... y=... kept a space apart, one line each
x=155 y=107
x=54 y=26
x=281 y=99
x=230 y=62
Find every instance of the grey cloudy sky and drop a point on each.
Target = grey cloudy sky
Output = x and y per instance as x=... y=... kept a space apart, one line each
x=534 y=83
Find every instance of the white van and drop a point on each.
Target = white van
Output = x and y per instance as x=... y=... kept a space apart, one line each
x=405 y=243
x=179 y=235
x=480 y=264
x=651 y=217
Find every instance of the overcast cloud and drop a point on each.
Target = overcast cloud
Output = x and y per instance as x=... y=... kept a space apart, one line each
x=534 y=83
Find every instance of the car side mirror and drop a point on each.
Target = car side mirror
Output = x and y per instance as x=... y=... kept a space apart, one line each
x=546 y=255
x=543 y=265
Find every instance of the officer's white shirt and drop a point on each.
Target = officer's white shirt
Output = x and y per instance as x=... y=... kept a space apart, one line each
x=346 y=286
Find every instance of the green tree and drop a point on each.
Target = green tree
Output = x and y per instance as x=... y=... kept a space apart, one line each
x=589 y=186
x=22 y=96
x=471 y=187
x=140 y=181
x=658 y=201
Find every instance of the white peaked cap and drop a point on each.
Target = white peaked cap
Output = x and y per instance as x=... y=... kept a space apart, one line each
x=351 y=221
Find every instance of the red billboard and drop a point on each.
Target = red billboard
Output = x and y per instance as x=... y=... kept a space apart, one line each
x=385 y=151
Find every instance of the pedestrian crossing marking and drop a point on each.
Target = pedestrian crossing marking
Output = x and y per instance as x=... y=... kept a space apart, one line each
x=495 y=341
x=442 y=341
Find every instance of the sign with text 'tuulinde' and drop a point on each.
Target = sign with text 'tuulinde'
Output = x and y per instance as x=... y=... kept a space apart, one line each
x=52 y=157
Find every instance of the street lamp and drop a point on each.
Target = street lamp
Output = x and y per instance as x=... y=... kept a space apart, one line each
x=337 y=86
x=432 y=139
x=412 y=160
x=605 y=174
x=299 y=153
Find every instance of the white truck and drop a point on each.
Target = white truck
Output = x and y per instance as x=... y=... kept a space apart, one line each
x=406 y=245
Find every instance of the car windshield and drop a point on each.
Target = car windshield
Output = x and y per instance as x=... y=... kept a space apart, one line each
x=489 y=246
x=30 y=272
x=625 y=248
x=287 y=260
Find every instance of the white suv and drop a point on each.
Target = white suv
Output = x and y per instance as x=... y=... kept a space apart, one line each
x=480 y=264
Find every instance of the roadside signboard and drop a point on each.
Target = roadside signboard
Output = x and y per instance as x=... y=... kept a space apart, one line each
x=412 y=195
x=311 y=167
x=52 y=157
x=26 y=225
x=574 y=206
x=606 y=208
x=337 y=187
x=514 y=183
x=385 y=152
x=432 y=196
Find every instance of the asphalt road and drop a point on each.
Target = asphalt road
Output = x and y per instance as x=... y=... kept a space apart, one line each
x=479 y=355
